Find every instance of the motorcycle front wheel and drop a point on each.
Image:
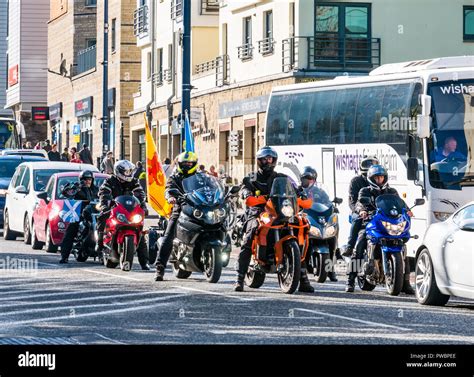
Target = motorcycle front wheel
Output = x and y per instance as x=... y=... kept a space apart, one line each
x=319 y=268
x=289 y=276
x=213 y=265
x=254 y=278
x=395 y=284
x=126 y=252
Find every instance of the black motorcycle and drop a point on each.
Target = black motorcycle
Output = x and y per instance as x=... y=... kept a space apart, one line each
x=86 y=239
x=201 y=243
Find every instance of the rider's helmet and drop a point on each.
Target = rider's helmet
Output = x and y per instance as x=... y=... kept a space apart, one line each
x=366 y=163
x=86 y=174
x=263 y=165
x=377 y=171
x=123 y=170
x=308 y=177
x=187 y=163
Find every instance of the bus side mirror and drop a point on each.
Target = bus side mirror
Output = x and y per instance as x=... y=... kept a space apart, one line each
x=423 y=120
x=412 y=169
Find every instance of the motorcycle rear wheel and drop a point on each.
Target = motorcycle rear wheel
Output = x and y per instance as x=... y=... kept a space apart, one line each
x=289 y=277
x=254 y=278
x=364 y=284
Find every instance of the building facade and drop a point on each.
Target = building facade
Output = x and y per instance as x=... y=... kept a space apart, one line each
x=75 y=56
x=3 y=51
x=26 y=63
x=262 y=44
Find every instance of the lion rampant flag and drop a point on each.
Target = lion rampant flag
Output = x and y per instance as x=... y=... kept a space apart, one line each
x=156 y=179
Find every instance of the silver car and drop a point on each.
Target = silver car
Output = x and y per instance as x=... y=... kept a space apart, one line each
x=445 y=261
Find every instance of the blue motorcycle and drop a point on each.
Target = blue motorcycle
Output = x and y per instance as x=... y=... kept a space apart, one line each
x=388 y=231
x=323 y=233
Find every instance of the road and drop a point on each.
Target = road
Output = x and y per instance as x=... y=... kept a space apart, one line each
x=85 y=303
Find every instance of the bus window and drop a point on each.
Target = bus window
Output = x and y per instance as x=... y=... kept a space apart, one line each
x=369 y=111
x=395 y=113
x=320 y=119
x=277 y=120
x=8 y=135
x=299 y=118
x=343 y=117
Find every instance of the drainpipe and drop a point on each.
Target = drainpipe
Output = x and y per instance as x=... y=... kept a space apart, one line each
x=169 y=106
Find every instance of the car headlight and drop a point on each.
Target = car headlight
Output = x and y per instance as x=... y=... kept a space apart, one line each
x=441 y=216
x=137 y=219
x=394 y=229
x=287 y=211
x=330 y=231
x=314 y=231
x=3 y=192
x=122 y=218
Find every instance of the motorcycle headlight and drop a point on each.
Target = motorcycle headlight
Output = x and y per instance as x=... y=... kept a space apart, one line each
x=287 y=211
x=122 y=218
x=441 y=216
x=314 y=231
x=333 y=219
x=220 y=213
x=197 y=213
x=211 y=216
x=136 y=219
x=330 y=231
x=394 y=229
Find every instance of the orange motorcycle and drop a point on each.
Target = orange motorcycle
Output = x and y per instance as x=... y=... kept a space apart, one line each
x=281 y=240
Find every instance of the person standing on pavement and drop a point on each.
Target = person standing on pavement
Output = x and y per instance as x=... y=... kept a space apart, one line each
x=212 y=171
x=47 y=145
x=53 y=154
x=65 y=156
x=107 y=165
x=85 y=155
x=75 y=158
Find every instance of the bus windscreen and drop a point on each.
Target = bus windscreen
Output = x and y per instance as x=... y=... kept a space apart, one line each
x=8 y=135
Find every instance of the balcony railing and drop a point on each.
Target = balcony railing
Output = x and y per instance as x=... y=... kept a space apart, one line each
x=245 y=51
x=266 y=46
x=222 y=70
x=205 y=67
x=328 y=53
x=157 y=78
x=210 y=6
x=176 y=9
x=168 y=75
x=140 y=20
x=86 y=59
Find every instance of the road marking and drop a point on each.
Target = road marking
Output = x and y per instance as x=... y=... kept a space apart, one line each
x=50 y=264
x=93 y=314
x=222 y=294
x=112 y=340
x=115 y=276
x=353 y=319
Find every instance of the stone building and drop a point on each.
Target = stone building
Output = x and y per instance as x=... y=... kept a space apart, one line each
x=75 y=56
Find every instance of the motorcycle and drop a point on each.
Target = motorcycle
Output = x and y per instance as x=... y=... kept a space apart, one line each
x=237 y=232
x=154 y=233
x=84 y=244
x=388 y=231
x=123 y=231
x=281 y=241
x=323 y=233
x=201 y=243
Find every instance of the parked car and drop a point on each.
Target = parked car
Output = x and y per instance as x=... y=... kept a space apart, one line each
x=29 y=179
x=25 y=152
x=8 y=164
x=445 y=261
x=48 y=228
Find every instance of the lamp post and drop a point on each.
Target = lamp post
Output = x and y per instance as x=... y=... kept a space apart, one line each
x=105 y=64
x=186 y=83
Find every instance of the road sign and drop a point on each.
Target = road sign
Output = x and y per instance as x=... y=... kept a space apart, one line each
x=76 y=132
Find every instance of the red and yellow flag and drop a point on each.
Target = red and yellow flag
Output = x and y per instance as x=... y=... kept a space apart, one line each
x=156 y=179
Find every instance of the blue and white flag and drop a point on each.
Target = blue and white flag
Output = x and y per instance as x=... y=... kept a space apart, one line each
x=188 y=135
x=71 y=212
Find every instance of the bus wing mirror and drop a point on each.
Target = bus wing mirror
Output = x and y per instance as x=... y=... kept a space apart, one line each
x=425 y=103
x=423 y=120
x=412 y=169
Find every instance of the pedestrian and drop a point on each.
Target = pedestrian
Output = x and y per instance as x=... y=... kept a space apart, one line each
x=65 y=155
x=107 y=165
x=38 y=145
x=86 y=155
x=28 y=145
x=47 y=145
x=167 y=167
x=53 y=154
x=202 y=169
x=138 y=170
x=75 y=158
x=212 y=171
x=72 y=152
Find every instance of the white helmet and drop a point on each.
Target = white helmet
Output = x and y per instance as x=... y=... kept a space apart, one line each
x=123 y=170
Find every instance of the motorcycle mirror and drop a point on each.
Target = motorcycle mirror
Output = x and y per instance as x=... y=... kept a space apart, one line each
x=364 y=200
x=419 y=202
x=234 y=190
x=175 y=192
x=337 y=200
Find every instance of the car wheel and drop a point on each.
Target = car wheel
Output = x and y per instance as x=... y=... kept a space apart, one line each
x=35 y=244
x=50 y=246
x=26 y=231
x=8 y=234
x=426 y=289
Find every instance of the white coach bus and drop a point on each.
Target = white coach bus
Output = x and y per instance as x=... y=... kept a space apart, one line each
x=416 y=117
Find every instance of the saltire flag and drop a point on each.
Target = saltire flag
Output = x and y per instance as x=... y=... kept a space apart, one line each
x=70 y=210
x=188 y=143
x=156 y=179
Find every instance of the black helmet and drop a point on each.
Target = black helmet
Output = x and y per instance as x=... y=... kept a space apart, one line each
x=266 y=152
x=86 y=174
x=366 y=163
x=307 y=174
x=374 y=171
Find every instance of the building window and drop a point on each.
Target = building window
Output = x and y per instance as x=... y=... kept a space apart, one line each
x=91 y=42
x=114 y=34
x=91 y=3
x=265 y=46
x=468 y=23
x=245 y=51
x=268 y=25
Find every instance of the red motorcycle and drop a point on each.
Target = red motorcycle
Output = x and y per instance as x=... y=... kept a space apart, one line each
x=123 y=231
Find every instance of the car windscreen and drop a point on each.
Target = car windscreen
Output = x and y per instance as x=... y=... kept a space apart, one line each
x=41 y=177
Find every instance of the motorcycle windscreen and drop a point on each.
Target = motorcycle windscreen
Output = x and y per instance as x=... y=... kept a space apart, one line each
x=127 y=201
x=390 y=205
x=204 y=189
x=283 y=195
x=321 y=203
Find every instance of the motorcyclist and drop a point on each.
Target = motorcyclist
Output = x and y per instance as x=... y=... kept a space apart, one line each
x=308 y=178
x=357 y=183
x=121 y=182
x=187 y=166
x=86 y=191
x=260 y=181
x=377 y=178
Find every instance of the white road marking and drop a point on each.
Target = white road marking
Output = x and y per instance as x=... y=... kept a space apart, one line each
x=353 y=319
x=113 y=275
x=109 y=339
x=222 y=294
x=92 y=314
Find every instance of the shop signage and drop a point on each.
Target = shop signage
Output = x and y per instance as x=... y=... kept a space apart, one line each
x=40 y=112
x=56 y=111
x=83 y=107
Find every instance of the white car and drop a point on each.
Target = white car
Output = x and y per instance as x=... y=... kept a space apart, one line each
x=25 y=152
x=445 y=261
x=29 y=179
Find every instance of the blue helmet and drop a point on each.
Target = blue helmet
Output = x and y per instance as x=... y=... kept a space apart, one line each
x=377 y=171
